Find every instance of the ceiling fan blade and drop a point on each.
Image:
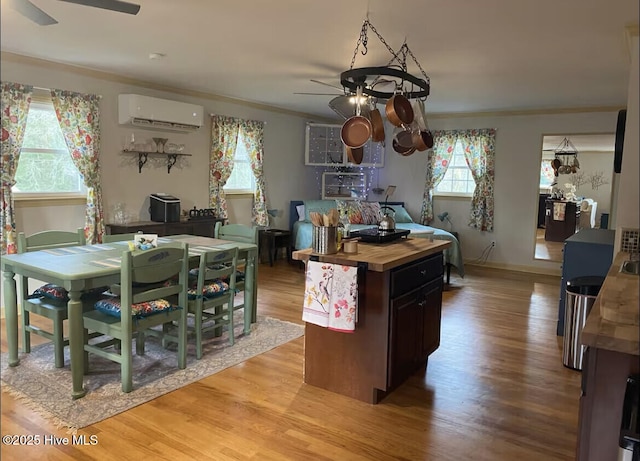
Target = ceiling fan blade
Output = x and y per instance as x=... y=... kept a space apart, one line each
x=32 y=12
x=327 y=84
x=113 y=5
x=319 y=94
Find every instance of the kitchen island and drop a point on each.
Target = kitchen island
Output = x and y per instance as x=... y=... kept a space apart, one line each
x=612 y=337
x=398 y=321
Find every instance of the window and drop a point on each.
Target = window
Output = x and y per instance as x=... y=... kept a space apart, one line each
x=242 y=179
x=45 y=165
x=458 y=179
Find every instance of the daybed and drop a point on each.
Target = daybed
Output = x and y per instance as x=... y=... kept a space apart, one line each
x=301 y=228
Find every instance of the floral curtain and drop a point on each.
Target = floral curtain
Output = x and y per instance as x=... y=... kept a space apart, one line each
x=224 y=138
x=79 y=117
x=16 y=99
x=438 y=160
x=253 y=136
x=479 y=151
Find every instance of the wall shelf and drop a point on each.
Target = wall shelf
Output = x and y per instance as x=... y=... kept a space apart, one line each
x=144 y=156
x=345 y=186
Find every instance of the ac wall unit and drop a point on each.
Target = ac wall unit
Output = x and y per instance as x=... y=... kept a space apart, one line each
x=160 y=114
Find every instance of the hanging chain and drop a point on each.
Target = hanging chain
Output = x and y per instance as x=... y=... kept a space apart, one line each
x=361 y=39
x=401 y=60
x=426 y=77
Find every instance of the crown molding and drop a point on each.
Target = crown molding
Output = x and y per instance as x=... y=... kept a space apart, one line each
x=85 y=71
x=511 y=113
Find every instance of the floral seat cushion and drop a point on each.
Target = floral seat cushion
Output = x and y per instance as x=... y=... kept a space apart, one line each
x=112 y=306
x=211 y=289
x=58 y=293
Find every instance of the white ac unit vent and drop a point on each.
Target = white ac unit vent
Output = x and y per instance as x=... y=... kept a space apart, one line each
x=159 y=114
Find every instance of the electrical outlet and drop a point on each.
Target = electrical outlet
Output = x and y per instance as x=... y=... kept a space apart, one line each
x=493 y=243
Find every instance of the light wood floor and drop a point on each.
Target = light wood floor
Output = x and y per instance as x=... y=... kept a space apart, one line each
x=494 y=390
x=551 y=251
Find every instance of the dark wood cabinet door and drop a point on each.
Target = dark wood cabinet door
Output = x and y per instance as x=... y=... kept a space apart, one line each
x=405 y=336
x=205 y=228
x=431 y=308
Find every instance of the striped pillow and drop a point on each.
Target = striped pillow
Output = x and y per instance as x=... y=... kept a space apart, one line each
x=371 y=213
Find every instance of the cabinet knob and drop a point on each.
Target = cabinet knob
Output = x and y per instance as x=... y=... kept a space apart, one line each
x=423 y=272
x=422 y=303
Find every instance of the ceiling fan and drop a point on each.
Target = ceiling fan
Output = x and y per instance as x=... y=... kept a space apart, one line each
x=339 y=89
x=32 y=12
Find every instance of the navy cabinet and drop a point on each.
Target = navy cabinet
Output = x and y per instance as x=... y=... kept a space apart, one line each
x=587 y=252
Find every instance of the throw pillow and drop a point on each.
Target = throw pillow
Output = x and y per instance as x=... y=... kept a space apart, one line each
x=352 y=209
x=371 y=212
x=401 y=215
x=300 y=209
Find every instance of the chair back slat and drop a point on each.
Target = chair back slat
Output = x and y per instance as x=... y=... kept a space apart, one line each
x=50 y=239
x=218 y=264
x=153 y=267
x=118 y=237
x=236 y=233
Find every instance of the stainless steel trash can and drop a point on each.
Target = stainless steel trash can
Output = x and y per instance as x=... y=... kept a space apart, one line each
x=581 y=292
x=630 y=425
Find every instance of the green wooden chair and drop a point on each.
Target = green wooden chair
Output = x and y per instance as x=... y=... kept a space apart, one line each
x=237 y=233
x=211 y=299
x=148 y=278
x=49 y=300
x=109 y=238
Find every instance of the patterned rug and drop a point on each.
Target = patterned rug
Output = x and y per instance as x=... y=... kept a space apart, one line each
x=47 y=390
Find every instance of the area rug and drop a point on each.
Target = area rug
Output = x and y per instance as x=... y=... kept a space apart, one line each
x=46 y=390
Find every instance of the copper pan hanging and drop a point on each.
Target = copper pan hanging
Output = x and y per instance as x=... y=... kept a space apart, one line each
x=398 y=110
x=377 y=124
x=356 y=131
x=355 y=154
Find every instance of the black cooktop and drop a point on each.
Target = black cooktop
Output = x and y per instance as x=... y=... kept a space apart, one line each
x=373 y=235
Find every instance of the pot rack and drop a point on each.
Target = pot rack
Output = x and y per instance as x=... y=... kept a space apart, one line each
x=396 y=69
x=566 y=147
x=563 y=153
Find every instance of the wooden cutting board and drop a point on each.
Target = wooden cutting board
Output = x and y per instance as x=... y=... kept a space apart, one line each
x=619 y=301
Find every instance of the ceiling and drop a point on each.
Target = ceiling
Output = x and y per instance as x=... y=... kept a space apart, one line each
x=494 y=55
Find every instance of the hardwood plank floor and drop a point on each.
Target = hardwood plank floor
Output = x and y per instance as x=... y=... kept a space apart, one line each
x=494 y=390
x=551 y=251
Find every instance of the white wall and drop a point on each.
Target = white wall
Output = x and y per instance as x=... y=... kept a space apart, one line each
x=284 y=169
x=518 y=147
x=517 y=167
x=628 y=196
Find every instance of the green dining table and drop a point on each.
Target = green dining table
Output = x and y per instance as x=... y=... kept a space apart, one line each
x=86 y=267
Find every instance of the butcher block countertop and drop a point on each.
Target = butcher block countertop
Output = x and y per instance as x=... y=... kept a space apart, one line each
x=381 y=257
x=613 y=321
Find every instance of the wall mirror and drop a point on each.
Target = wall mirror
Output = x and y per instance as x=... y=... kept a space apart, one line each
x=576 y=174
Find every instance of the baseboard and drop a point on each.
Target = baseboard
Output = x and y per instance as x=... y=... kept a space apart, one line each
x=513 y=267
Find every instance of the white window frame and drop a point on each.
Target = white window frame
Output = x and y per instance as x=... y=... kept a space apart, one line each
x=456 y=151
x=43 y=100
x=243 y=160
